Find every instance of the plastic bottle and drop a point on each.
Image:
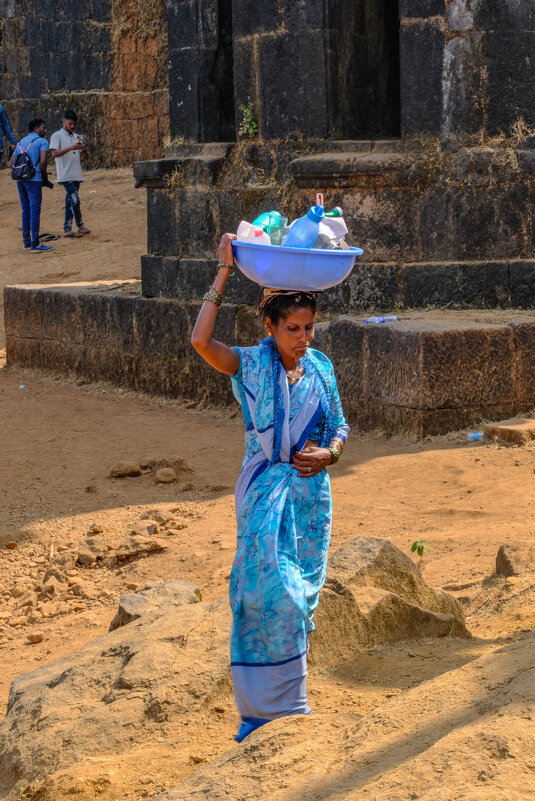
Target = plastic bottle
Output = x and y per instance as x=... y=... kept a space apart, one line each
x=475 y=435
x=252 y=233
x=267 y=218
x=388 y=318
x=305 y=230
x=336 y=212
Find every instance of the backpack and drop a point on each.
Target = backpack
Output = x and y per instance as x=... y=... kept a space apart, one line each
x=22 y=167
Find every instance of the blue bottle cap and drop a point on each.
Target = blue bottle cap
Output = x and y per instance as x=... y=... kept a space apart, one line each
x=316 y=213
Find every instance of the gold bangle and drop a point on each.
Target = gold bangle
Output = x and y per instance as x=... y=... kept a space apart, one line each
x=213 y=298
x=341 y=441
x=334 y=453
x=216 y=290
x=228 y=266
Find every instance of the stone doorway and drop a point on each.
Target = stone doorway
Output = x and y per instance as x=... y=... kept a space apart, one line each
x=369 y=68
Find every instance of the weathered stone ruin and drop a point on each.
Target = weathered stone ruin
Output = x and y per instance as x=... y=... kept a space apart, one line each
x=104 y=58
x=416 y=118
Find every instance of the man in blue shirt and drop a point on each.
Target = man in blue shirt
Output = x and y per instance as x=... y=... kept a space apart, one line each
x=31 y=191
x=7 y=131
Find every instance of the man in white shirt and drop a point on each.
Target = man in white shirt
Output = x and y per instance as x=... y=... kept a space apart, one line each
x=68 y=148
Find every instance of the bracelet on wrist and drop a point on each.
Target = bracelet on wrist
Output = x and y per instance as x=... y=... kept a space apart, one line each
x=213 y=297
x=229 y=267
x=334 y=453
x=216 y=290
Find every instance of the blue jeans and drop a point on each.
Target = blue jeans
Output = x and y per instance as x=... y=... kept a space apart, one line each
x=72 y=205
x=30 y=194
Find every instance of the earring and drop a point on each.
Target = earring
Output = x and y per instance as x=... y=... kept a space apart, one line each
x=270 y=334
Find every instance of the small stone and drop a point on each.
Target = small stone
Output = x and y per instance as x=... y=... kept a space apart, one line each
x=191 y=404
x=28 y=599
x=187 y=487
x=144 y=528
x=83 y=590
x=55 y=573
x=91 y=488
x=515 y=558
x=125 y=469
x=233 y=414
x=160 y=516
x=109 y=561
x=52 y=587
x=64 y=561
x=35 y=636
x=131 y=585
x=33 y=616
x=19 y=589
x=197 y=758
x=16 y=622
x=11 y=545
x=89 y=551
x=94 y=528
x=220 y=709
x=165 y=475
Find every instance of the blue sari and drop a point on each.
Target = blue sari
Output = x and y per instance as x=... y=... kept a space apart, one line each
x=284 y=525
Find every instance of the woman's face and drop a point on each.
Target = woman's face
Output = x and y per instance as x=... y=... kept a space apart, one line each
x=293 y=333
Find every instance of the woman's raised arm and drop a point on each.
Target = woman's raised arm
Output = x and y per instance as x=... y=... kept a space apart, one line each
x=218 y=355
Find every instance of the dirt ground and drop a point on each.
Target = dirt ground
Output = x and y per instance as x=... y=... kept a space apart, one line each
x=112 y=209
x=60 y=438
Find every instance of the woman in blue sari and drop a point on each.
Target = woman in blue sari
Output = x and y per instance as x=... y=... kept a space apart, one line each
x=295 y=428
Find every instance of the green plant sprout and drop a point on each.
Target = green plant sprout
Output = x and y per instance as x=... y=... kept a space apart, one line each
x=420 y=546
x=248 y=125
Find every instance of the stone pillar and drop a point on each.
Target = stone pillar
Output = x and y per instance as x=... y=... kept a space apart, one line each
x=283 y=63
x=201 y=93
x=422 y=40
x=467 y=66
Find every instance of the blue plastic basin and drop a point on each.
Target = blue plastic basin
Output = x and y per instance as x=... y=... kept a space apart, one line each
x=294 y=268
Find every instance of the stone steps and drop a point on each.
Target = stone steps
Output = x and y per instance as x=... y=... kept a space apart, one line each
x=383 y=286
x=429 y=373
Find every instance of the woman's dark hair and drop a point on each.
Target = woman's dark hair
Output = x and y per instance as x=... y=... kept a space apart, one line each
x=34 y=123
x=279 y=305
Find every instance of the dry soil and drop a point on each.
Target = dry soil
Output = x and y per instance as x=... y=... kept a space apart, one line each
x=60 y=437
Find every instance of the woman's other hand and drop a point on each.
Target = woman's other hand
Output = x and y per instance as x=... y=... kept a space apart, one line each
x=226 y=255
x=311 y=460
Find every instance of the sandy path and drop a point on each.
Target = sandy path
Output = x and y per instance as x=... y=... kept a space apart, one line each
x=112 y=209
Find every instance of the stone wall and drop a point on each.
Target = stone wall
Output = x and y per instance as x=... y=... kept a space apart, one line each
x=428 y=373
x=104 y=58
x=466 y=66
x=341 y=69
x=402 y=205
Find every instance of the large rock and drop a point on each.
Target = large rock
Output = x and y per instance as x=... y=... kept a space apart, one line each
x=375 y=562
x=137 y=545
x=130 y=688
x=91 y=550
x=158 y=599
x=515 y=558
x=375 y=594
x=405 y=748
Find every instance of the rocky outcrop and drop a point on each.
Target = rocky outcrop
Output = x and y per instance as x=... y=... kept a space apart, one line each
x=405 y=748
x=515 y=559
x=156 y=678
x=160 y=596
x=375 y=562
x=118 y=692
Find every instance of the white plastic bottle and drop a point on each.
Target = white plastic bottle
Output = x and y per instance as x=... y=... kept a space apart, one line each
x=252 y=233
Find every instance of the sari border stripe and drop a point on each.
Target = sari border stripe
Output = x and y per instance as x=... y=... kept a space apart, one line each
x=268 y=664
